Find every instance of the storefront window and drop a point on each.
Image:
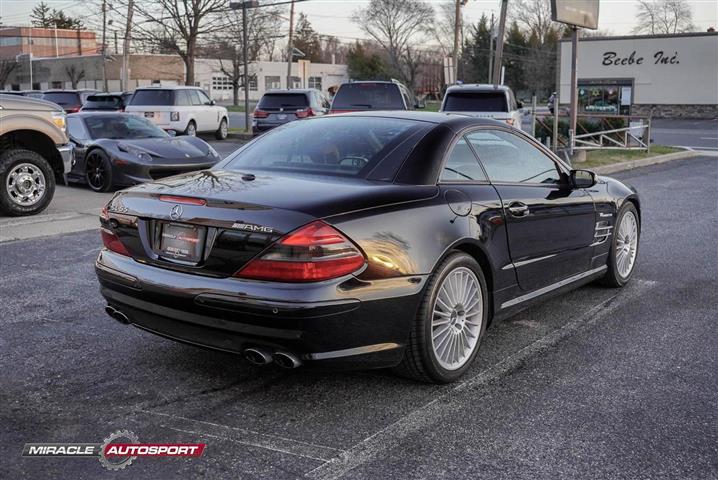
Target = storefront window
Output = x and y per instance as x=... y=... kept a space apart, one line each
x=605 y=98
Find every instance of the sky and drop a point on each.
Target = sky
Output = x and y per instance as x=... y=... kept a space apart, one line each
x=333 y=17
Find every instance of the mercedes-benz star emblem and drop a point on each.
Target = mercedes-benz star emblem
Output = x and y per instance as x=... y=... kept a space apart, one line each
x=176 y=212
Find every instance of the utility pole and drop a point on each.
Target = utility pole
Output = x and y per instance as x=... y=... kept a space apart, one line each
x=247 y=125
x=491 y=51
x=290 y=47
x=104 y=44
x=457 y=27
x=500 y=43
x=125 y=77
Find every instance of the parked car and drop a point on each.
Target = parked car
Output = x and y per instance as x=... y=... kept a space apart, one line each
x=70 y=100
x=369 y=239
x=187 y=110
x=34 y=153
x=379 y=95
x=277 y=107
x=117 y=149
x=24 y=93
x=485 y=101
x=107 y=102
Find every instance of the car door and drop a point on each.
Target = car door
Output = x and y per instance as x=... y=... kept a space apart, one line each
x=210 y=112
x=199 y=109
x=550 y=225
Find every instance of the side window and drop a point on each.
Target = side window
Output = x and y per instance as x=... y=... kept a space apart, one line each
x=509 y=158
x=462 y=164
x=182 y=98
x=204 y=97
x=77 y=129
x=194 y=97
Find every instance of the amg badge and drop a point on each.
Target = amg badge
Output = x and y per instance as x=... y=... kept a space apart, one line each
x=252 y=228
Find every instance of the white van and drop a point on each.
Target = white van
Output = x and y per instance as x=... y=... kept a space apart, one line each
x=185 y=110
x=486 y=101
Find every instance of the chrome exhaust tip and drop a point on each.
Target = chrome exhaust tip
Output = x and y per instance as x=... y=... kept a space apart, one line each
x=257 y=356
x=120 y=317
x=286 y=360
x=110 y=310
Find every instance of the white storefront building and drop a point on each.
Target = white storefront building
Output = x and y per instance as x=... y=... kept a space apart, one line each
x=210 y=75
x=661 y=75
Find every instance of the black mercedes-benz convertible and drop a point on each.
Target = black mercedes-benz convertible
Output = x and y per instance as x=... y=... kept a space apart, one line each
x=366 y=240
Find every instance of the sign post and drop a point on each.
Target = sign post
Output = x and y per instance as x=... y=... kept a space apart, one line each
x=575 y=13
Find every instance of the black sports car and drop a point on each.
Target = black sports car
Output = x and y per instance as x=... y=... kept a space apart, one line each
x=368 y=239
x=117 y=149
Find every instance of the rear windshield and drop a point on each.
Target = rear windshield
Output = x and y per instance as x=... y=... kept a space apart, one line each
x=340 y=146
x=62 y=98
x=276 y=101
x=153 y=97
x=368 y=96
x=476 y=102
x=95 y=101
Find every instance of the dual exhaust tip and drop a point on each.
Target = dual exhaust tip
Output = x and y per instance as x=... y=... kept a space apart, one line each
x=260 y=356
x=255 y=355
x=116 y=314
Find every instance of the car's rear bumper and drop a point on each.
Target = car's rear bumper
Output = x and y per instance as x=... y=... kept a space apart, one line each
x=345 y=323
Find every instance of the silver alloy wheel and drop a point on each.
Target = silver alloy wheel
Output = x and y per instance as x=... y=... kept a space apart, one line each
x=223 y=130
x=626 y=244
x=191 y=130
x=25 y=184
x=456 y=318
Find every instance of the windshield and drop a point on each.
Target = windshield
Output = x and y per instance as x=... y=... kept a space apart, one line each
x=154 y=97
x=276 y=101
x=340 y=146
x=122 y=127
x=476 y=102
x=62 y=98
x=103 y=102
x=368 y=96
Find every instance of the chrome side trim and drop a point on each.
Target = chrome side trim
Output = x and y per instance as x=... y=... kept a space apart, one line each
x=552 y=287
x=526 y=262
x=601 y=214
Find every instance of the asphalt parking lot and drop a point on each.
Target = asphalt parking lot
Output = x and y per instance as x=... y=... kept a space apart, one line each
x=599 y=383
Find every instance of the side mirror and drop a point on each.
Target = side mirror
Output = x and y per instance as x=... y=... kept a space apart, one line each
x=520 y=104
x=582 y=179
x=212 y=103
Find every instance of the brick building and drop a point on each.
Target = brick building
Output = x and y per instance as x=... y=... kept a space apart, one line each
x=46 y=42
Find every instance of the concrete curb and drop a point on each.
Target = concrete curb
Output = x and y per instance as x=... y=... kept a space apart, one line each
x=239 y=136
x=644 y=162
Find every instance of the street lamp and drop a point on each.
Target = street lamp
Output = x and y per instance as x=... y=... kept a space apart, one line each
x=244 y=6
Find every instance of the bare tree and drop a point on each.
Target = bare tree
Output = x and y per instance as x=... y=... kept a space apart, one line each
x=7 y=66
x=444 y=27
x=664 y=17
x=534 y=18
x=75 y=74
x=398 y=26
x=178 y=25
x=263 y=25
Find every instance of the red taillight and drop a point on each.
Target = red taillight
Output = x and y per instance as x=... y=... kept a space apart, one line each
x=307 y=112
x=260 y=114
x=74 y=109
x=183 y=200
x=312 y=253
x=112 y=242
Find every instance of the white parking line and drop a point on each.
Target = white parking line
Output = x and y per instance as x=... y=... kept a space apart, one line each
x=247 y=437
x=424 y=416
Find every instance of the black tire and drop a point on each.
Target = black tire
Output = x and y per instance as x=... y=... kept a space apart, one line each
x=222 y=131
x=420 y=361
x=98 y=171
x=11 y=202
x=613 y=278
x=191 y=127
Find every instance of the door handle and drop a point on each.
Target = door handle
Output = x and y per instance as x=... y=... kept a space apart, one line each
x=518 y=209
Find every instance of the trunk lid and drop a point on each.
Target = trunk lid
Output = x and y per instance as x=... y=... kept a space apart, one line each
x=236 y=215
